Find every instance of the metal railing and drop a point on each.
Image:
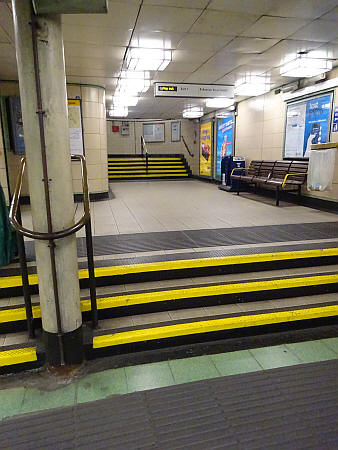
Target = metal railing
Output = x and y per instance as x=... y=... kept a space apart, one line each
x=186 y=146
x=144 y=152
x=85 y=221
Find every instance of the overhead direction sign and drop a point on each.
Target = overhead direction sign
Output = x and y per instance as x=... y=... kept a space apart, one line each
x=190 y=90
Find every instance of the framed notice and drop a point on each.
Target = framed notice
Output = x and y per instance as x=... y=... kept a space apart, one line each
x=175 y=131
x=75 y=127
x=225 y=141
x=307 y=122
x=153 y=132
x=206 y=149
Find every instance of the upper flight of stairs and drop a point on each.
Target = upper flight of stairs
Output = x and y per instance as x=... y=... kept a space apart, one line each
x=159 y=166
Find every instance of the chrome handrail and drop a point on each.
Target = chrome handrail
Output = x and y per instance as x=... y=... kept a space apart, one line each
x=56 y=234
x=15 y=220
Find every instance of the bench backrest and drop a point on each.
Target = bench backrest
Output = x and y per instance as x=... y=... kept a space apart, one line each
x=254 y=167
x=266 y=168
x=280 y=169
x=300 y=167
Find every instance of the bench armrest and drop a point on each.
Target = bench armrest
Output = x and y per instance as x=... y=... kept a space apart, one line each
x=292 y=173
x=236 y=168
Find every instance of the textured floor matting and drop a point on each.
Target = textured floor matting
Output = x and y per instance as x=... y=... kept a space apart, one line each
x=288 y=408
x=172 y=240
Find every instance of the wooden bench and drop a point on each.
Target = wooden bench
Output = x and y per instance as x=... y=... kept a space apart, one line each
x=285 y=175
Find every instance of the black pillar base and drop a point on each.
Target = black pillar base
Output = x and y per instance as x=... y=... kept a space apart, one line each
x=72 y=347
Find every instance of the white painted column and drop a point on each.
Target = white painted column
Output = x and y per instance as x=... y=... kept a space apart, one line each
x=54 y=103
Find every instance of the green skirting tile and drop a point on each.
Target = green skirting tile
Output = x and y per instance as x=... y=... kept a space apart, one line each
x=100 y=385
x=332 y=343
x=235 y=362
x=193 y=369
x=36 y=400
x=312 y=351
x=276 y=356
x=148 y=376
x=11 y=401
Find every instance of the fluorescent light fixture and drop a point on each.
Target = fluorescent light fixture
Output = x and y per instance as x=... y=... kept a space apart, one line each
x=219 y=102
x=192 y=112
x=125 y=101
x=120 y=111
x=147 y=58
x=252 y=85
x=131 y=83
x=304 y=66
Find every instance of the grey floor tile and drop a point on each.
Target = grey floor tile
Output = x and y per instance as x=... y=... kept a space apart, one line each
x=187 y=313
x=222 y=309
x=144 y=319
x=16 y=338
x=255 y=306
x=118 y=322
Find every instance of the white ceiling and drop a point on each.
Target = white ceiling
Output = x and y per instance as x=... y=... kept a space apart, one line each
x=213 y=41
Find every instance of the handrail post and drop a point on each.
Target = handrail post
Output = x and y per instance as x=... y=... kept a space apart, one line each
x=91 y=273
x=146 y=162
x=25 y=279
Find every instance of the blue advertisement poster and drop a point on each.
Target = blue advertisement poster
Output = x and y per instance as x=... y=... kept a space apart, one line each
x=317 y=121
x=307 y=123
x=225 y=137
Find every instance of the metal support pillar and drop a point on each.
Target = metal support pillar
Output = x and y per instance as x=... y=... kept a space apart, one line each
x=41 y=68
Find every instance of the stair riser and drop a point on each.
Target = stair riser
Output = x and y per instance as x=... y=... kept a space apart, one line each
x=188 y=272
x=218 y=338
x=193 y=302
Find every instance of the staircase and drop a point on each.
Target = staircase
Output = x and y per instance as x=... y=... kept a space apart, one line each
x=125 y=167
x=179 y=303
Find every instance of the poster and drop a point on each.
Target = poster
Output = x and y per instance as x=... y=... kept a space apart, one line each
x=225 y=141
x=75 y=127
x=307 y=123
x=205 y=149
x=175 y=131
x=153 y=132
x=335 y=120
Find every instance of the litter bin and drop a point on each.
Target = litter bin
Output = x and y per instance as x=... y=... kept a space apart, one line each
x=229 y=163
x=8 y=248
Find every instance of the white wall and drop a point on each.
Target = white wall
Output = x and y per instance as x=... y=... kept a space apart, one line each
x=131 y=145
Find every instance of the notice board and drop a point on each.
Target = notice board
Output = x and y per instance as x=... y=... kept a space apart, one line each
x=225 y=141
x=307 y=122
x=206 y=149
x=75 y=127
x=153 y=132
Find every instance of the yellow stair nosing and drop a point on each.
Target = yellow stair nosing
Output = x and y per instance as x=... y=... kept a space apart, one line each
x=17 y=356
x=212 y=325
x=17 y=314
x=14 y=281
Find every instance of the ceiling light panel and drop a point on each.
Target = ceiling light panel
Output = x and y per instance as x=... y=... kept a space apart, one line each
x=219 y=102
x=305 y=67
x=192 y=112
x=147 y=58
x=121 y=111
x=252 y=85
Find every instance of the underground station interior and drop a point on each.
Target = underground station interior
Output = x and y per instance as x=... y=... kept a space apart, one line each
x=168 y=224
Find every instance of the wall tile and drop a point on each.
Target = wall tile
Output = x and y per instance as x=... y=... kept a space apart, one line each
x=89 y=94
x=90 y=109
x=91 y=141
x=91 y=125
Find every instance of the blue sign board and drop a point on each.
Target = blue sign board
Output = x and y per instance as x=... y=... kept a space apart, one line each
x=317 y=121
x=225 y=141
x=335 y=120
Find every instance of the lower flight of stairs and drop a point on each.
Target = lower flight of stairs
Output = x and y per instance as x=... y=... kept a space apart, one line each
x=124 y=167
x=185 y=301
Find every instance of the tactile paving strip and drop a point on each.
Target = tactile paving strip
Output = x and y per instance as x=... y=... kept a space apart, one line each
x=287 y=408
x=172 y=240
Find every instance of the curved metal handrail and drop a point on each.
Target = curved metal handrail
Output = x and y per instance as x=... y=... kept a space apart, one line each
x=56 y=234
x=143 y=145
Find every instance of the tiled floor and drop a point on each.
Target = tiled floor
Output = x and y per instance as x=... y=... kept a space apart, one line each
x=99 y=385
x=182 y=205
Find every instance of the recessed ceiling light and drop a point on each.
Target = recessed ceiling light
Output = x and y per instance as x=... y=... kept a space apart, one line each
x=120 y=111
x=192 y=112
x=148 y=58
x=252 y=85
x=219 y=102
x=303 y=66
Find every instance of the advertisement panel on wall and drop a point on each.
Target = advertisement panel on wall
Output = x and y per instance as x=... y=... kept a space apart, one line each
x=206 y=149
x=225 y=141
x=307 y=122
